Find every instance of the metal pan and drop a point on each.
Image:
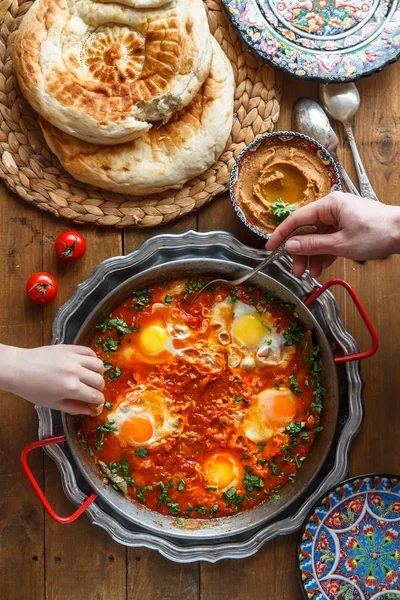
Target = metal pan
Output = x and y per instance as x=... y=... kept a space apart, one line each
x=227 y=526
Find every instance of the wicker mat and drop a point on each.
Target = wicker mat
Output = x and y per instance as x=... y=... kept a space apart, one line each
x=28 y=167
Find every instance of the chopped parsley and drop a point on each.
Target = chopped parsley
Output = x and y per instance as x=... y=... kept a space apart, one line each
x=319 y=394
x=107 y=345
x=281 y=210
x=107 y=427
x=163 y=497
x=201 y=510
x=293 y=334
x=270 y=298
x=294 y=429
x=261 y=461
x=188 y=511
x=141 y=452
x=119 y=324
x=238 y=399
x=315 y=366
x=114 y=374
x=211 y=489
x=214 y=509
x=232 y=297
x=274 y=468
x=168 y=299
x=276 y=497
x=108 y=405
x=101 y=431
x=277 y=386
x=251 y=481
x=294 y=385
x=261 y=446
x=122 y=470
x=192 y=286
x=136 y=329
x=181 y=485
x=141 y=491
x=232 y=498
x=141 y=299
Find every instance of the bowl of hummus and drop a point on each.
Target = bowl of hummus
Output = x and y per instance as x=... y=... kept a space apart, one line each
x=276 y=174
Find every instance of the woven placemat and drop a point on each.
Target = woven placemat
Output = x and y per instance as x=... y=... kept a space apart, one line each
x=28 y=167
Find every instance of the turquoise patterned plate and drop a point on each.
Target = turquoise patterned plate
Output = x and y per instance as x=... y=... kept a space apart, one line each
x=327 y=40
x=349 y=548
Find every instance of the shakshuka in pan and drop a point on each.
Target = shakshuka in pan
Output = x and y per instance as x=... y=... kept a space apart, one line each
x=211 y=407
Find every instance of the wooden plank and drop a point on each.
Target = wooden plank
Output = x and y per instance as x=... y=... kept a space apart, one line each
x=97 y=562
x=150 y=576
x=21 y=514
x=377 y=282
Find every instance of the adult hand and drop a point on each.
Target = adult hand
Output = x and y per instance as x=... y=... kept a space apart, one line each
x=348 y=226
x=62 y=377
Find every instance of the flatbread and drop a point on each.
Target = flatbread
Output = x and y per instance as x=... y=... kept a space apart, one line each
x=104 y=72
x=95 y=409
x=167 y=156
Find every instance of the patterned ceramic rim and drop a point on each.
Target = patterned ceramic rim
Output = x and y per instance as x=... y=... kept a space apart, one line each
x=365 y=560
x=282 y=35
x=285 y=137
x=157 y=250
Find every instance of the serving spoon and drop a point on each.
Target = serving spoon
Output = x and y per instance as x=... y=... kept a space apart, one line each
x=341 y=102
x=275 y=254
x=308 y=117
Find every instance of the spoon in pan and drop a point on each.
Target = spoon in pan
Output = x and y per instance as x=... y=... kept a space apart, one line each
x=309 y=118
x=275 y=254
x=341 y=102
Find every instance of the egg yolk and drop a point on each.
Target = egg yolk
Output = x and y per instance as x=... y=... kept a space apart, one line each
x=153 y=340
x=249 y=330
x=279 y=410
x=137 y=429
x=221 y=471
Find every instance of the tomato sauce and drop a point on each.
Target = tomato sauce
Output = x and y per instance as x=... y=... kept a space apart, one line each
x=210 y=408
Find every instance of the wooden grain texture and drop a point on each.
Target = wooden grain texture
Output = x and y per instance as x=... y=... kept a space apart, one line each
x=98 y=564
x=21 y=516
x=378 y=282
x=81 y=561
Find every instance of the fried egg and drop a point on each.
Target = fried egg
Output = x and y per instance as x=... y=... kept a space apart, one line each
x=254 y=340
x=273 y=410
x=157 y=339
x=144 y=418
x=222 y=470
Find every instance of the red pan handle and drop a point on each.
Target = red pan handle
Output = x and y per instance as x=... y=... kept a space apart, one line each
x=361 y=310
x=35 y=485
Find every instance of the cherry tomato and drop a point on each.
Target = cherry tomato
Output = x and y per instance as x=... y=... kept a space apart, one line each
x=41 y=288
x=70 y=245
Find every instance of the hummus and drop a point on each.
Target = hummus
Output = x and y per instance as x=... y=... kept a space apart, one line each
x=291 y=173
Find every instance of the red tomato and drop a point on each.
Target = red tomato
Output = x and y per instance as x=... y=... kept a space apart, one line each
x=70 y=245
x=41 y=288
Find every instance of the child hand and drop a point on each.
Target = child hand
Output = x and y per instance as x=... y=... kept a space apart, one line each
x=62 y=377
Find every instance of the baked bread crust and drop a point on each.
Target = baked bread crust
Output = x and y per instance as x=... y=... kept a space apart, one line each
x=104 y=72
x=167 y=156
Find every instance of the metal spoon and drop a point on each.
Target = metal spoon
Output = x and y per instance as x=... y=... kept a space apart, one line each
x=341 y=101
x=309 y=118
x=275 y=254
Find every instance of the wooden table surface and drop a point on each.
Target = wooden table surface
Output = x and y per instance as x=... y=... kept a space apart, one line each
x=40 y=559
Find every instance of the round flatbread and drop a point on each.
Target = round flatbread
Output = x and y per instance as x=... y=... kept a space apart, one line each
x=104 y=72
x=167 y=156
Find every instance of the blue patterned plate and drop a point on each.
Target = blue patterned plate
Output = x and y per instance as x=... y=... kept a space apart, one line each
x=349 y=547
x=327 y=40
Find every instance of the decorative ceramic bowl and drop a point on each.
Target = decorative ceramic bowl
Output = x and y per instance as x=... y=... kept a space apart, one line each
x=349 y=547
x=269 y=139
x=332 y=41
